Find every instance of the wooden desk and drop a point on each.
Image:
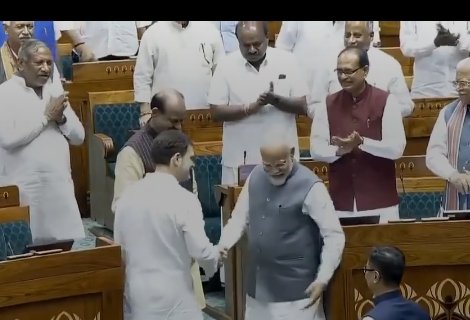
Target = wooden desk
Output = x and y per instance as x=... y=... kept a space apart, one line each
x=76 y=285
x=437 y=264
x=235 y=262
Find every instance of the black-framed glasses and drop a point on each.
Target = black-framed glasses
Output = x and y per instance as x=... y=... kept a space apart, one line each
x=347 y=73
x=461 y=83
x=365 y=269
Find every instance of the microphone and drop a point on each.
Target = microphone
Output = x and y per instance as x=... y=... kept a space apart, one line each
x=244 y=157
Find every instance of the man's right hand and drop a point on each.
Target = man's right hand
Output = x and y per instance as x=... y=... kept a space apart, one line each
x=85 y=53
x=145 y=113
x=461 y=181
x=445 y=38
x=223 y=254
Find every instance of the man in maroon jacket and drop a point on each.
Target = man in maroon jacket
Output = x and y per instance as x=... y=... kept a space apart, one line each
x=360 y=133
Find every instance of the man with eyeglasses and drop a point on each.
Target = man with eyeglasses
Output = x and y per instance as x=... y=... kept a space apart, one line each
x=448 y=152
x=360 y=133
x=385 y=71
x=383 y=273
x=286 y=211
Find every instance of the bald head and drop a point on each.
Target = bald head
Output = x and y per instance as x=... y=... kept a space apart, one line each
x=277 y=154
x=358 y=34
x=168 y=110
x=252 y=39
x=462 y=80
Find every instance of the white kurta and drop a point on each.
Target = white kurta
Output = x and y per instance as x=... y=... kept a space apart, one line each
x=319 y=207
x=160 y=228
x=118 y=38
x=37 y=158
x=434 y=68
x=236 y=82
x=385 y=73
x=391 y=147
x=309 y=41
x=227 y=32
x=437 y=153
x=181 y=58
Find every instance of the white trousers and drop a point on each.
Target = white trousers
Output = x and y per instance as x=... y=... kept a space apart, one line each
x=292 y=310
x=386 y=214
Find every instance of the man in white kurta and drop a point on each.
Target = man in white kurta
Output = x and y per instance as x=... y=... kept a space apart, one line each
x=448 y=152
x=437 y=47
x=309 y=41
x=280 y=239
x=160 y=228
x=242 y=84
x=227 y=32
x=36 y=127
x=361 y=173
x=385 y=71
x=180 y=55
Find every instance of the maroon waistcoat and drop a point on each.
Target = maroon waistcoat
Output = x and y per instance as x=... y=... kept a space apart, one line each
x=369 y=179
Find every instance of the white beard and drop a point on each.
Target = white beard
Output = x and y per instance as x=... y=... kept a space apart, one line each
x=277 y=181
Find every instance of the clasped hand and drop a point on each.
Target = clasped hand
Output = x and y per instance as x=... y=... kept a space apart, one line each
x=346 y=145
x=55 y=109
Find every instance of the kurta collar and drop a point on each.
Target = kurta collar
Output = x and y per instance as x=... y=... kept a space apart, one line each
x=387 y=296
x=362 y=95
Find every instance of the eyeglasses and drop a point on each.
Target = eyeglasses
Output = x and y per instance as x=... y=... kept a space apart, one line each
x=279 y=165
x=461 y=84
x=365 y=269
x=347 y=73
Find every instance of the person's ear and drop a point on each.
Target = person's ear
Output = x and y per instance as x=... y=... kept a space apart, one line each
x=20 y=64
x=177 y=159
x=292 y=152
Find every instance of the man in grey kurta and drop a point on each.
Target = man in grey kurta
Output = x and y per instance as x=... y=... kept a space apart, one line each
x=287 y=212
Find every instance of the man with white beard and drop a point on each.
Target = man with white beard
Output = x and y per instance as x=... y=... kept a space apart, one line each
x=288 y=211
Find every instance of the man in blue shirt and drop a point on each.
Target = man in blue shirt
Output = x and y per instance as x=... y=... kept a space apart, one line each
x=383 y=273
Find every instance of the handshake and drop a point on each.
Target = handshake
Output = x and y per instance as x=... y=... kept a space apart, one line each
x=223 y=254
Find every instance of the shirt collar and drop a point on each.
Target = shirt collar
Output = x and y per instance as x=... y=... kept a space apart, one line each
x=162 y=177
x=265 y=61
x=362 y=95
x=387 y=296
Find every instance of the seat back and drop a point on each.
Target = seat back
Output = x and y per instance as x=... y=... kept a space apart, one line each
x=15 y=232
x=114 y=114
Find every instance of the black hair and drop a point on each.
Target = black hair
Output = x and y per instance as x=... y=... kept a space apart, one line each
x=167 y=144
x=360 y=53
x=389 y=262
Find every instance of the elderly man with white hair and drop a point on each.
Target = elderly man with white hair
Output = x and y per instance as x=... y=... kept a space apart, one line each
x=289 y=211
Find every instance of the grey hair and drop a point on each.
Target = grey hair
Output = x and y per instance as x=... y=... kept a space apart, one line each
x=7 y=23
x=369 y=24
x=30 y=47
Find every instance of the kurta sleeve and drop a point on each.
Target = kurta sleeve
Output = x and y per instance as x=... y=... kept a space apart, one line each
x=393 y=140
x=436 y=154
x=197 y=243
x=288 y=35
x=320 y=147
x=144 y=68
x=319 y=206
x=17 y=128
x=411 y=43
x=238 y=222
x=129 y=169
x=72 y=129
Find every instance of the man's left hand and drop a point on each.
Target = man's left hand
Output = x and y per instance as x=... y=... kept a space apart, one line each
x=314 y=290
x=269 y=97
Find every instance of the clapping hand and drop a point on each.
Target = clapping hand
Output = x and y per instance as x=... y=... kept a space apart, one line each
x=268 y=97
x=445 y=38
x=346 y=145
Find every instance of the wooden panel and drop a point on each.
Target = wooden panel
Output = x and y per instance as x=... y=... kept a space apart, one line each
x=9 y=196
x=390 y=33
x=273 y=29
x=14 y=214
x=85 y=284
x=64 y=49
x=103 y=70
x=409 y=81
